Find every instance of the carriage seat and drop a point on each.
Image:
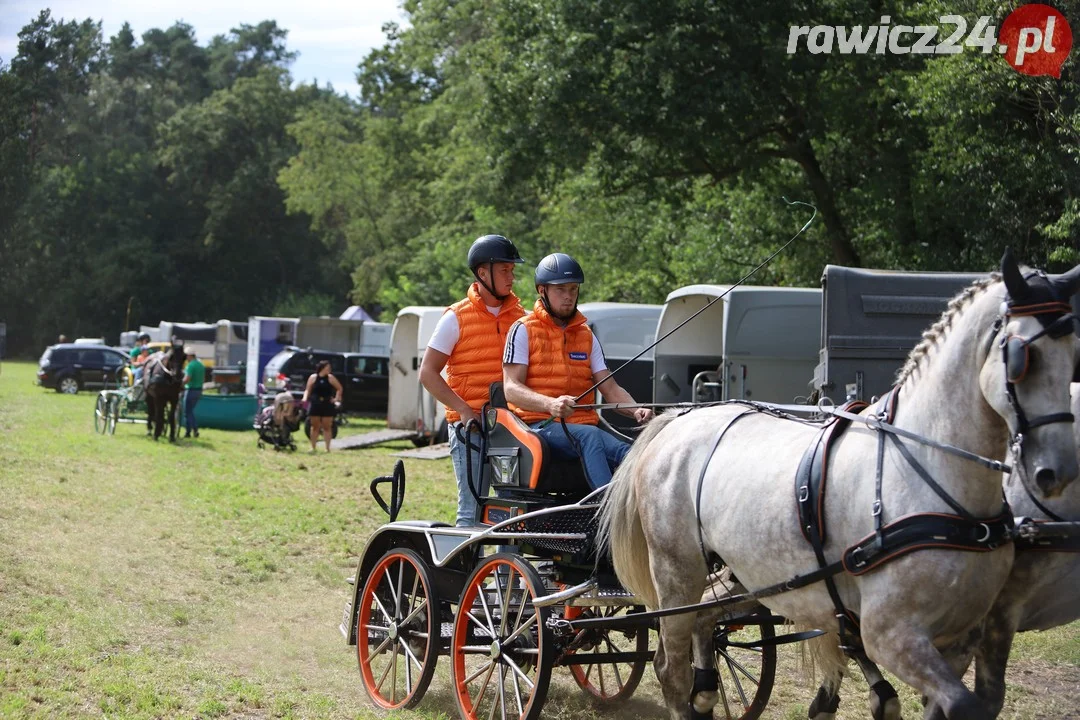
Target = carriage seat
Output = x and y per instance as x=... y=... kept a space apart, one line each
x=519 y=460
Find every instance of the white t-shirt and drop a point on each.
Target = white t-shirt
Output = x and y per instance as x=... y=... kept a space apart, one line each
x=517 y=349
x=448 y=331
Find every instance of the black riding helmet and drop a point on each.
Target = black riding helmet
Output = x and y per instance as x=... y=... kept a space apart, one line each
x=143 y=336
x=488 y=250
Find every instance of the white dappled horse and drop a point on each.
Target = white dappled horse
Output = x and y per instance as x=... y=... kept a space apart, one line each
x=1043 y=589
x=957 y=388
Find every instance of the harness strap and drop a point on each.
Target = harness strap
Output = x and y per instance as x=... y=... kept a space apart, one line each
x=1042 y=508
x=1047 y=536
x=876 y=423
x=923 y=531
x=926 y=478
x=701 y=482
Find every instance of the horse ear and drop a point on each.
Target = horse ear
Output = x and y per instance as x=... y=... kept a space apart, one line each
x=1014 y=279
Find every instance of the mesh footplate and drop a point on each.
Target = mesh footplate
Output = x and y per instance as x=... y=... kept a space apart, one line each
x=569 y=520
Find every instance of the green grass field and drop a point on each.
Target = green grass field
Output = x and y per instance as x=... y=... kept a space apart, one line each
x=207 y=578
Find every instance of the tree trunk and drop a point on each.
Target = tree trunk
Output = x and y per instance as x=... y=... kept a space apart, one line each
x=802 y=152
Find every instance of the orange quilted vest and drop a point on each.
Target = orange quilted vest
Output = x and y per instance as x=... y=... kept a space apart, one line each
x=559 y=363
x=476 y=360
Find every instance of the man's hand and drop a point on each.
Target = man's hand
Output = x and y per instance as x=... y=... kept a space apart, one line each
x=643 y=415
x=467 y=414
x=561 y=407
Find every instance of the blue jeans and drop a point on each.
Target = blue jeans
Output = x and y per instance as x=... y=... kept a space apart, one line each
x=191 y=399
x=600 y=451
x=466 y=503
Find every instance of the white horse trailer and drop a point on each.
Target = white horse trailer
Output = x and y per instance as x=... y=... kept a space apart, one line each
x=624 y=330
x=230 y=345
x=410 y=406
x=758 y=343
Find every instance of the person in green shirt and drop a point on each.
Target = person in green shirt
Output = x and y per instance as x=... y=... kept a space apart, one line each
x=194 y=376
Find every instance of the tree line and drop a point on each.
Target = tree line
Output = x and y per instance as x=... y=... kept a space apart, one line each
x=157 y=178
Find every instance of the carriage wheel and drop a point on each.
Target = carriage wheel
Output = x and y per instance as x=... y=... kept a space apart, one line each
x=101 y=413
x=398 y=630
x=113 y=414
x=746 y=667
x=501 y=650
x=606 y=681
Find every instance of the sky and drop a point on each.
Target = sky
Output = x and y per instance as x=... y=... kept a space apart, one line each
x=331 y=36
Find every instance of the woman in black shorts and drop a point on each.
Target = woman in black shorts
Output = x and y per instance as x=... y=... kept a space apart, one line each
x=323 y=391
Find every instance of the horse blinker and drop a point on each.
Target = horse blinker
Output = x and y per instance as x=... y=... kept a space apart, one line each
x=1017 y=358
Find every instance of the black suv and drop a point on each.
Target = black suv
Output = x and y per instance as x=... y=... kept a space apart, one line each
x=364 y=378
x=71 y=367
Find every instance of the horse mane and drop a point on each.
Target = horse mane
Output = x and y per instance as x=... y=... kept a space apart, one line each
x=940 y=329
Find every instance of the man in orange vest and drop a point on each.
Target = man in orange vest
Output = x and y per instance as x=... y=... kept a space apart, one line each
x=468 y=341
x=551 y=358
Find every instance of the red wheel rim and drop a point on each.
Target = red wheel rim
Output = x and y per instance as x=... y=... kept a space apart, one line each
x=610 y=682
x=501 y=658
x=396 y=624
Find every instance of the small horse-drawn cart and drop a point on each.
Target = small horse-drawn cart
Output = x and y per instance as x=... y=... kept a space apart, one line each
x=546 y=599
x=126 y=404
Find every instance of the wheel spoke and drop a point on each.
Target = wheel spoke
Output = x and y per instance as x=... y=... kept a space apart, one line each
x=517 y=633
x=517 y=694
x=514 y=666
x=412 y=595
x=614 y=666
x=487 y=629
x=408 y=668
x=724 y=699
x=732 y=662
x=382 y=646
x=387 y=615
x=483 y=688
x=504 y=599
x=393 y=684
x=382 y=679
x=738 y=683
x=400 y=588
x=502 y=694
x=412 y=616
x=409 y=652
x=477 y=673
x=487 y=611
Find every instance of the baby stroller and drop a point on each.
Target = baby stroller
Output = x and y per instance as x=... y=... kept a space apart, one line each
x=278 y=417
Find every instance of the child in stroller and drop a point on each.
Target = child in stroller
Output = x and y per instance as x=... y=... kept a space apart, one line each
x=278 y=419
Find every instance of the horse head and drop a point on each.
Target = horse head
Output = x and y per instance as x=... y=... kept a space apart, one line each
x=1030 y=359
x=175 y=361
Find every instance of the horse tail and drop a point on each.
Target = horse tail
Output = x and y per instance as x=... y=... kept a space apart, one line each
x=620 y=520
x=821 y=655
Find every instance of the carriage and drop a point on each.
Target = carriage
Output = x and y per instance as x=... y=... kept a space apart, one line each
x=125 y=404
x=505 y=620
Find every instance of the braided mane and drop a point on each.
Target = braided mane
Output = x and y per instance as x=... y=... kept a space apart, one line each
x=940 y=329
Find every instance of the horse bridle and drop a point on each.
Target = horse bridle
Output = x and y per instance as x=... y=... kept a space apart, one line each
x=1057 y=320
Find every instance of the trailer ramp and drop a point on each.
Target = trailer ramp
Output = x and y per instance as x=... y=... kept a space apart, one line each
x=370 y=439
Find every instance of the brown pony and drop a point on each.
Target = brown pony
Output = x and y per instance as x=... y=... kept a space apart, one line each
x=163 y=381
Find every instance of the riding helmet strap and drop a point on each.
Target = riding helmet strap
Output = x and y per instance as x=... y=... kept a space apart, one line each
x=489 y=288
